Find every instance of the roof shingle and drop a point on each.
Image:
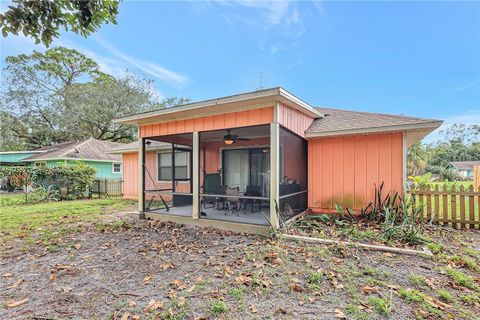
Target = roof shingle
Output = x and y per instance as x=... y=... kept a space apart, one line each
x=338 y=121
x=91 y=149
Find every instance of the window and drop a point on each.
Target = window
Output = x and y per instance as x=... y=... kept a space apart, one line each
x=165 y=166
x=117 y=168
x=40 y=164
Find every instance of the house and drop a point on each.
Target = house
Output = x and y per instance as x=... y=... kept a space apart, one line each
x=250 y=160
x=91 y=151
x=463 y=169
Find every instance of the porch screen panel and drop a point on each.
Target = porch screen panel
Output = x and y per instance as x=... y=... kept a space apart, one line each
x=293 y=171
x=168 y=175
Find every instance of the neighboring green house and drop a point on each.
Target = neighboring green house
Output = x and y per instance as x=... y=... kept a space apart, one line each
x=91 y=151
x=463 y=168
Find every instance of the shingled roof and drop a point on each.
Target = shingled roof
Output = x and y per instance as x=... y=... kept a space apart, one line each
x=88 y=149
x=337 y=122
x=464 y=165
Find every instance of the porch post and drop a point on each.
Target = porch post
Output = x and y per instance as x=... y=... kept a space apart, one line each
x=274 y=173
x=196 y=176
x=141 y=177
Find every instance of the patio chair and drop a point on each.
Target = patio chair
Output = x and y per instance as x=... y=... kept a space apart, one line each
x=211 y=183
x=234 y=205
x=253 y=191
x=220 y=200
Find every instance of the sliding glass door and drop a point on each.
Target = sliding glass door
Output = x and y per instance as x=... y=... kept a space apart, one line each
x=244 y=168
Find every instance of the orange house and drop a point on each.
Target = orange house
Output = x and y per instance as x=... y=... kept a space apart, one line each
x=251 y=160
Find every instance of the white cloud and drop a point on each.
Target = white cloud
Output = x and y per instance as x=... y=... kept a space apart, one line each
x=280 y=22
x=468 y=118
x=148 y=67
x=467 y=86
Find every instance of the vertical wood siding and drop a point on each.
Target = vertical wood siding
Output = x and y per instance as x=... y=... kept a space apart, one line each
x=130 y=175
x=344 y=170
x=294 y=120
x=216 y=122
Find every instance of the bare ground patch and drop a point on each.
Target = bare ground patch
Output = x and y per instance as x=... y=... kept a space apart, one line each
x=165 y=271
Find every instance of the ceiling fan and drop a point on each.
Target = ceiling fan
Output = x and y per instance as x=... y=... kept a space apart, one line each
x=232 y=138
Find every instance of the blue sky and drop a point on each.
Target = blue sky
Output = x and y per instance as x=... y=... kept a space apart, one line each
x=414 y=58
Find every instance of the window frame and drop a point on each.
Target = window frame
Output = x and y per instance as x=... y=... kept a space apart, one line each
x=187 y=165
x=119 y=166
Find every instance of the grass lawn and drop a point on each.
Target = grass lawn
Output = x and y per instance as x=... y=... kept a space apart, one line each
x=47 y=220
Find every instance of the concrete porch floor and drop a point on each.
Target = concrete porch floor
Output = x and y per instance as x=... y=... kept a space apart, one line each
x=246 y=216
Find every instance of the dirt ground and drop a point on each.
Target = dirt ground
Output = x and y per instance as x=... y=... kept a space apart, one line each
x=150 y=270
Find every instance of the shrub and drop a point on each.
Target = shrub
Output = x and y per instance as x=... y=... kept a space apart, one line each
x=50 y=181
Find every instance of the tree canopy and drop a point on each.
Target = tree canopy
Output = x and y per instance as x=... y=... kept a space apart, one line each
x=460 y=143
x=61 y=95
x=42 y=19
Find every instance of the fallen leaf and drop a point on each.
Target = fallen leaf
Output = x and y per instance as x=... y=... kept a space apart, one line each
x=191 y=289
x=14 y=304
x=252 y=308
x=77 y=246
x=16 y=284
x=281 y=310
x=242 y=279
x=429 y=281
x=126 y=316
x=336 y=285
x=153 y=305
x=132 y=304
x=63 y=267
x=339 y=314
x=181 y=301
x=7 y=275
x=437 y=304
x=147 y=279
x=369 y=290
x=167 y=265
x=172 y=294
x=297 y=287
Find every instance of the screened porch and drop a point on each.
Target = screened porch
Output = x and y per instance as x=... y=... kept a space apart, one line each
x=226 y=175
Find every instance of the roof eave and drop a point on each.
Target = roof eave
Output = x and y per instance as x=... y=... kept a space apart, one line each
x=430 y=126
x=274 y=93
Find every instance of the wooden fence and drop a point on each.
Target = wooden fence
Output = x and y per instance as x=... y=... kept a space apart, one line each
x=458 y=207
x=107 y=187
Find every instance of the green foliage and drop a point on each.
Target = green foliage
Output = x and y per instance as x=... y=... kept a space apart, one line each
x=43 y=19
x=434 y=247
x=218 y=307
x=412 y=295
x=52 y=183
x=417 y=159
x=401 y=219
x=61 y=95
x=462 y=278
x=45 y=194
x=461 y=142
x=416 y=279
x=421 y=181
x=237 y=293
x=445 y=295
x=381 y=305
x=355 y=312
